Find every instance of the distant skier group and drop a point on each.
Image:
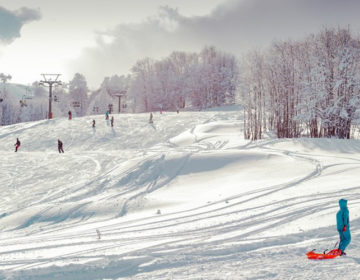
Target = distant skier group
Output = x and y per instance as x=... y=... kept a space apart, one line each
x=106 y=118
x=60 y=145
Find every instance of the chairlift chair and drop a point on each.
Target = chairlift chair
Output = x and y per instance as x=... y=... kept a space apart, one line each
x=28 y=94
x=23 y=103
x=76 y=104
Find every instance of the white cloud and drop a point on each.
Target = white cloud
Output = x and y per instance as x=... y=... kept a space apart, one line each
x=11 y=22
x=234 y=26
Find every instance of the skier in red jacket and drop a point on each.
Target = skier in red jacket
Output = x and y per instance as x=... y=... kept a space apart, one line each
x=17 y=144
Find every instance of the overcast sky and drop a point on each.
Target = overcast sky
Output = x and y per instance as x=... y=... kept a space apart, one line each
x=100 y=38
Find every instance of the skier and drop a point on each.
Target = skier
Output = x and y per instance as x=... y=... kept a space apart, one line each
x=112 y=121
x=343 y=226
x=60 y=146
x=93 y=123
x=107 y=115
x=151 y=118
x=17 y=144
x=70 y=115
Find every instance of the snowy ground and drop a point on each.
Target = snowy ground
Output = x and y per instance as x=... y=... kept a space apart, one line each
x=184 y=198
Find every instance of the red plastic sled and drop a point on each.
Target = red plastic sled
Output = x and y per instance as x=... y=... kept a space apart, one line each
x=318 y=256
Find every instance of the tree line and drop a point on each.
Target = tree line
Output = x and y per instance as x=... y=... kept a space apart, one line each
x=182 y=80
x=308 y=87
x=193 y=80
x=34 y=105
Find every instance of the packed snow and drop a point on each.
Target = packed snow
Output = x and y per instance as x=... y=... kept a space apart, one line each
x=183 y=198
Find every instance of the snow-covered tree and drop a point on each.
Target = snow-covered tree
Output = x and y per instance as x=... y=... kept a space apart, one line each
x=184 y=79
x=308 y=87
x=62 y=102
x=79 y=94
x=111 y=86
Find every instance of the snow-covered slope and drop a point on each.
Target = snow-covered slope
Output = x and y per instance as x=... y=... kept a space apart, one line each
x=184 y=198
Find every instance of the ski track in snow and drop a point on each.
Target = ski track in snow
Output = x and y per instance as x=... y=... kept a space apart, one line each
x=186 y=198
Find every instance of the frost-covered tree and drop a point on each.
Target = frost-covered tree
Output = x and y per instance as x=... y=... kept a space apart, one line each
x=253 y=90
x=62 y=102
x=106 y=95
x=184 y=79
x=141 y=88
x=78 y=91
x=309 y=87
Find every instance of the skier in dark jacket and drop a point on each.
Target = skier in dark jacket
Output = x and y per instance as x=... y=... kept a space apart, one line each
x=60 y=146
x=343 y=226
x=112 y=121
x=93 y=123
x=70 y=115
x=17 y=144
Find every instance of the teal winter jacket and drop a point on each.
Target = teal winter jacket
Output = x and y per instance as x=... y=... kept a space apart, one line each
x=342 y=217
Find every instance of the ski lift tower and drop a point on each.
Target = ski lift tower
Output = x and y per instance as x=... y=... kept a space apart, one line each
x=4 y=79
x=118 y=93
x=50 y=80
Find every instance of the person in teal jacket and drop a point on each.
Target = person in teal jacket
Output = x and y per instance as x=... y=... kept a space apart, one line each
x=343 y=226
